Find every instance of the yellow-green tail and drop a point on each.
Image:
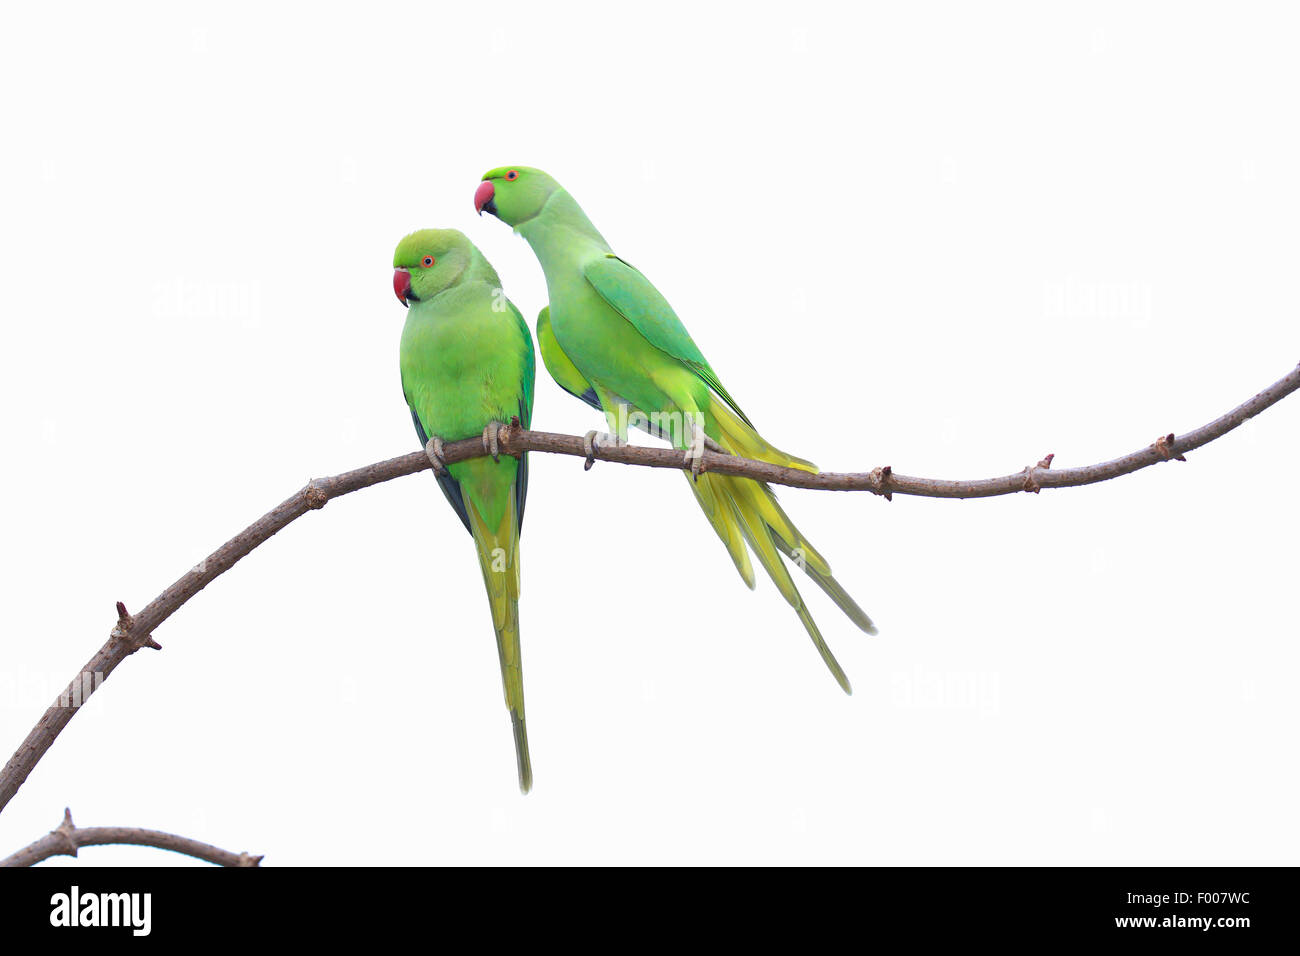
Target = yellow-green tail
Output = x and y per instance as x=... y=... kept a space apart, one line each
x=498 y=555
x=742 y=511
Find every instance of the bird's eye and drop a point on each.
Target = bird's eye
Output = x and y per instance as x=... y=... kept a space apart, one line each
x=512 y=175
x=427 y=261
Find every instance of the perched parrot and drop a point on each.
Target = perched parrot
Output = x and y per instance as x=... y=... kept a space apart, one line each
x=610 y=338
x=467 y=366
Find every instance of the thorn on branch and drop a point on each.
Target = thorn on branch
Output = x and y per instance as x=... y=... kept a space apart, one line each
x=64 y=831
x=125 y=632
x=1031 y=483
x=1164 y=447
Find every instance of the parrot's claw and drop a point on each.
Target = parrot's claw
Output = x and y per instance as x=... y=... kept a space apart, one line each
x=693 y=460
x=492 y=440
x=591 y=445
x=434 y=450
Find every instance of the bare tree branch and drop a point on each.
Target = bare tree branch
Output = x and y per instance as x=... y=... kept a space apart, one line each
x=66 y=839
x=133 y=633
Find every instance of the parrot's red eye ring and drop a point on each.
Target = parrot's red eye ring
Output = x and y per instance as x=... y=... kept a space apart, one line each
x=428 y=261
x=512 y=175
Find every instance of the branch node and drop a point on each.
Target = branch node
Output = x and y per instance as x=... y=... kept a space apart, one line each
x=510 y=435
x=880 y=477
x=1164 y=446
x=246 y=859
x=1030 y=483
x=315 y=496
x=125 y=631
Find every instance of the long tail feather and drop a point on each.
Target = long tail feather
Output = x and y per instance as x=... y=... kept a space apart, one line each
x=834 y=590
x=498 y=553
x=743 y=492
x=722 y=516
x=743 y=511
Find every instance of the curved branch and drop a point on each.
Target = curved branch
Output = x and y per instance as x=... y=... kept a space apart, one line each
x=133 y=633
x=66 y=839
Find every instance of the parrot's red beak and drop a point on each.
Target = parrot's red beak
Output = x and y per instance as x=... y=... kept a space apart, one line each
x=402 y=284
x=483 y=198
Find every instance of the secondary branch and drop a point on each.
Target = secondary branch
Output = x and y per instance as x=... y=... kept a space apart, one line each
x=66 y=839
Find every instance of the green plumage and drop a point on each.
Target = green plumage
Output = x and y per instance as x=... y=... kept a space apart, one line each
x=612 y=339
x=466 y=361
x=632 y=296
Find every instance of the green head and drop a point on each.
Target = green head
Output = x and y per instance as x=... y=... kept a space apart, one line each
x=433 y=260
x=514 y=194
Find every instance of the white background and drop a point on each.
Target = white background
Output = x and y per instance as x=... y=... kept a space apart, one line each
x=942 y=238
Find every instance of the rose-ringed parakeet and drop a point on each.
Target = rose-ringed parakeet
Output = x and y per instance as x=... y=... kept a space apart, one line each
x=467 y=366
x=610 y=338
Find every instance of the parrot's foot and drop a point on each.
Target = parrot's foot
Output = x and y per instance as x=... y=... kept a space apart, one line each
x=591 y=444
x=434 y=450
x=694 y=457
x=492 y=440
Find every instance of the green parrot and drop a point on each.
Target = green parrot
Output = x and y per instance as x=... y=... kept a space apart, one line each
x=610 y=338
x=467 y=366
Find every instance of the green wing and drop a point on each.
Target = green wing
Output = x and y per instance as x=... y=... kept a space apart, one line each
x=559 y=364
x=634 y=297
x=525 y=408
